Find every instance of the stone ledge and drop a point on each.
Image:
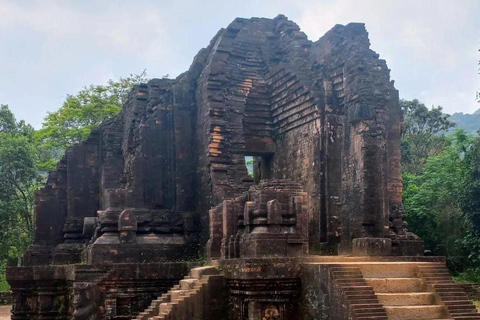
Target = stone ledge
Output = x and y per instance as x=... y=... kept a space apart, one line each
x=372 y=247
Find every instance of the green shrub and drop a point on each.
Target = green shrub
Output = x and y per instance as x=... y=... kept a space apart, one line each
x=4 y=286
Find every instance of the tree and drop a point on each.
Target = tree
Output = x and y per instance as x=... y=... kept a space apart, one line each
x=19 y=178
x=470 y=203
x=443 y=203
x=432 y=200
x=79 y=114
x=421 y=137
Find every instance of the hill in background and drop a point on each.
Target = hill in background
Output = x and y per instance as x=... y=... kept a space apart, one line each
x=467 y=121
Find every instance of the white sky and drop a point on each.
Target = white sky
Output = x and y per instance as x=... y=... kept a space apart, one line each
x=50 y=48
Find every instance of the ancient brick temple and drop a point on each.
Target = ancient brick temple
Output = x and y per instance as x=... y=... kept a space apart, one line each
x=312 y=234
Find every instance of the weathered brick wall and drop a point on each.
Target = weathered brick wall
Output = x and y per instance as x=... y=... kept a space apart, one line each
x=363 y=94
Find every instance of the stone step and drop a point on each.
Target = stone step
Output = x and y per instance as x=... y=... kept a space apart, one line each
x=347 y=274
x=154 y=307
x=365 y=306
x=466 y=316
x=453 y=296
x=458 y=303
x=346 y=282
x=372 y=311
x=188 y=284
x=431 y=266
x=197 y=273
x=448 y=290
x=363 y=301
x=178 y=294
x=437 y=280
x=415 y=312
x=393 y=269
x=406 y=299
x=180 y=302
x=389 y=270
x=396 y=285
x=357 y=288
x=441 y=272
x=371 y=317
x=165 y=307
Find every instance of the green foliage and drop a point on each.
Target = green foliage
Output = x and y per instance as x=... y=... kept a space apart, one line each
x=421 y=137
x=442 y=202
x=469 y=275
x=432 y=201
x=439 y=187
x=4 y=286
x=79 y=115
x=471 y=199
x=19 y=178
x=470 y=202
x=249 y=165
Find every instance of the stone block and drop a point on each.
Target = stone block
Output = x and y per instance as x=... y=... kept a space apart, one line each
x=188 y=284
x=371 y=247
x=197 y=273
x=409 y=248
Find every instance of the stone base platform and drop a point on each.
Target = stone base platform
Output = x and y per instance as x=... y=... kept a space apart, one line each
x=290 y=287
x=121 y=290
x=306 y=288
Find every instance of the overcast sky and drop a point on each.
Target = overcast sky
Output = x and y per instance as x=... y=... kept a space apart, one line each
x=50 y=48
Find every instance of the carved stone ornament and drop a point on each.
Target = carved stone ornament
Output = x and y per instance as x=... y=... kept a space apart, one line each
x=85 y=301
x=271 y=313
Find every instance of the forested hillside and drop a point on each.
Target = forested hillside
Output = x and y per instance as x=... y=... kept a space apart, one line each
x=469 y=122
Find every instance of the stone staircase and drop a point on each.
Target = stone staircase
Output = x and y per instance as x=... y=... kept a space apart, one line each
x=188 y=300
x=359 y=297
x=452 y=295
x=397 y=291
x=410 y=291
x=404 y=296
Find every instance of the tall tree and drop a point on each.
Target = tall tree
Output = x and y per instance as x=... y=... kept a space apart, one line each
x=470 y=203
x=19 y=178
x=421 y=137
x=432 y=200
x=79 y=114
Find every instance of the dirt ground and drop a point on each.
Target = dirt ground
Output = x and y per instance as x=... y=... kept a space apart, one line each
x=5 y=312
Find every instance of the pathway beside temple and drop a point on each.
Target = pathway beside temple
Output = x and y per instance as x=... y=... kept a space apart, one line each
x=5 y=312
